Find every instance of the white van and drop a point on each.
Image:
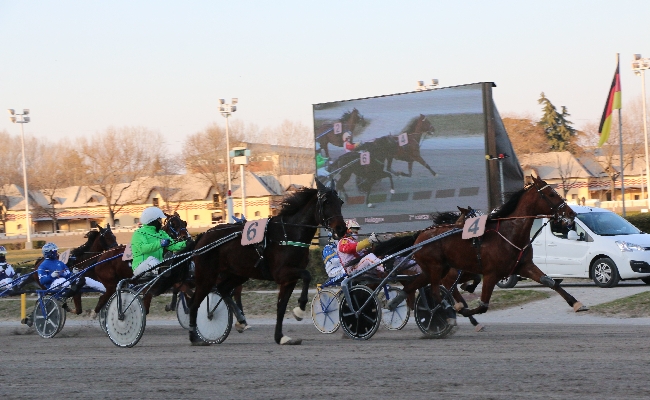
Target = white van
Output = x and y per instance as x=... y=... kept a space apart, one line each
x=603 y=246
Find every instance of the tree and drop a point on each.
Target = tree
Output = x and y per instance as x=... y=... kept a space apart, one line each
x=557 y=127
x=526 y=136
x=567 y=168
x=114 y=161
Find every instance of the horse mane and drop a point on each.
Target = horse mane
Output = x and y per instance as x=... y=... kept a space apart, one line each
x=414 y=122
x=444 y=218
x=395 y=244
x=509 y=206
x=92 y=236
x=295 y=201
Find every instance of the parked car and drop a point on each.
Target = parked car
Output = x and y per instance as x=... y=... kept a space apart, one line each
x=602 y=246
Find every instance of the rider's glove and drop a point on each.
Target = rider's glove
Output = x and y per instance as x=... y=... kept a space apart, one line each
x=75 y=270
x=55 y=274
x=165 y=242
x=373 y=238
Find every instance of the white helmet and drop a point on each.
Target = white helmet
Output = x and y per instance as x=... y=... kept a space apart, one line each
x=352 y=224
x=151 y=214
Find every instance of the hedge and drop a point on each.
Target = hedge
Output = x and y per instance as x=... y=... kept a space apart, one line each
x=640 y=220
x=37 y=244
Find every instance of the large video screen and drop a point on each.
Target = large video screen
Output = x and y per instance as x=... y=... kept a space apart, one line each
x=398 y=159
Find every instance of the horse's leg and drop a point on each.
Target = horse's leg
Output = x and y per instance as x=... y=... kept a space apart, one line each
x=449 y=281
x=299 y=312
x=286 y=289
x=475 y=278
x=420 y=160
x=489 y=282
x=530 y=270
x=172 y=305
x=202 y=289
x=236 y=294
x=229 y=285
x=103 y=298
x=147 y=301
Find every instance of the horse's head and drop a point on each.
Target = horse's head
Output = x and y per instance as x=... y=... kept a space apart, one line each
x=107 y=237
x=329 y=210
x=176 y=227
x=551 y=202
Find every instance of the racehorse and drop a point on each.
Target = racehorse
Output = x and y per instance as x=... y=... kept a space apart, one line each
x=111 y=272
x=410 y=151
x=504 y=248
x=349 y=121
x=285 y=254
x=366 y=175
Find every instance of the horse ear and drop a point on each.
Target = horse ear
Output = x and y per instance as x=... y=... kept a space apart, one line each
x=319 y=185
x=176 y=214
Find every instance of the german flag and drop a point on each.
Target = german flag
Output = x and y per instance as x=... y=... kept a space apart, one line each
x=613 y=103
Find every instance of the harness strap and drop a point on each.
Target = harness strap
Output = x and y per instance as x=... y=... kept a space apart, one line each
x=292 y=243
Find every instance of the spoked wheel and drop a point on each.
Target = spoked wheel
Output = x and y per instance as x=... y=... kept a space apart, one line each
x=128 y=331
x=183 y=311
x=325 y=311
x=396 y=319
x=48 y=319
x=213 y=319
x=103 y=312
x=430 y=316
x=366 y=323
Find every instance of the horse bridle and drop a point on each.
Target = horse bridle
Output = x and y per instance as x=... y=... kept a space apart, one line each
x=555 y=209
x=103 y=239
x=321 y=199
x=171 y=228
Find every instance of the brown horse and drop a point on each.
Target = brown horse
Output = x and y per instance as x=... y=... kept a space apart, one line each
x=409 y=152
x=285 y=254
x=329 y=134
x=503 y=249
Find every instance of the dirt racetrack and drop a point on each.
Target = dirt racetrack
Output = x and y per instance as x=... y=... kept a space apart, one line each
x=532 y=361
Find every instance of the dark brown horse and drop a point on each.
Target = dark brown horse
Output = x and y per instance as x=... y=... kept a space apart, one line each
x=503 y=249
x=328 y=133
x=285 y=254
x=410 y=151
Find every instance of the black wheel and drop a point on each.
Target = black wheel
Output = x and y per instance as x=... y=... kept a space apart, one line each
x=213 y=319
x=646 y=280
x=396 y=319
x=127 y=331
x=430 y=316
x=364 y=325
x=604 y=273
x=509 y=282
x=49 y=317
x=325 y=311
x=183 y=311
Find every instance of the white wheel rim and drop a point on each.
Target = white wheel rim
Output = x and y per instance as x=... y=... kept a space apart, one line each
x=47 y=325
x=395 y=320
x=212 y=329
x=127 y=332
x=181 y=315
x=325 y=311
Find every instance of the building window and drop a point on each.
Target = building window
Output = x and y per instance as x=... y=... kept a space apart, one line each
x=237 y=215
x=117 y=222
x=20 y=226
x=574 y=196
x=216 y=217
x=155 y=202
x=216 y=200
x=257 y=213
x=197 y=217
x=636 y=197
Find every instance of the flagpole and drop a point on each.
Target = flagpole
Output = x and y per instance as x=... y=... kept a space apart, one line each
x=620 y=142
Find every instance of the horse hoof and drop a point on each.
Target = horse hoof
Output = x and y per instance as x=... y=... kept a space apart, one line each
x=370 y=205
x=241 y=327
x=196 y=340
x=291 y=342
x=451 y=321
x=458 y=306
x=479 y=328
x=168 y=308
x=578 y=307
x=392 y=191
x=92 y=314
x=298 y=314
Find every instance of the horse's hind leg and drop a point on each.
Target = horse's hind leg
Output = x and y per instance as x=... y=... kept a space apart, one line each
x=172 y=305
x=236 y=295
x=530 y=270
x=421 y=161
x=299 y=312
x=489 y=282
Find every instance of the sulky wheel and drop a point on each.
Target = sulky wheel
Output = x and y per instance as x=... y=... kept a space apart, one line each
x=183 y=311
x=396 y=319
x=127 y=331
x=430 y=316
x=366 y=323
x=103 y=312
x=213 y=319
x=49 y=317
x=325 y=311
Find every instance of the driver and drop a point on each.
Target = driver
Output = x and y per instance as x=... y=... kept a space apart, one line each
x=350 y=248
x=54 y=274
x=149 y=241
x=7 y=273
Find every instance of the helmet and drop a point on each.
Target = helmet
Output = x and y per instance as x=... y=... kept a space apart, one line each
x=49 y=251
x=151 y=214
x=3 y=251
x=352 y=224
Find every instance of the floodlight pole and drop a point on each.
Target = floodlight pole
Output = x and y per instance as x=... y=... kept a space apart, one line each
x=639 y=65
x=500 y=158
x=226 y=110
x=24 y=120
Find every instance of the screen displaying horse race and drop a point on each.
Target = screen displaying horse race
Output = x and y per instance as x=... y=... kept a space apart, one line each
x=395 y=160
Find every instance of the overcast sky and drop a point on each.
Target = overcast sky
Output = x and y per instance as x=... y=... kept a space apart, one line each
x=81 y=66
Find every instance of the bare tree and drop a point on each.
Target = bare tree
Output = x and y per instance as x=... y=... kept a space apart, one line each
x=115 y=159
x=568 y=169
x=526 y=135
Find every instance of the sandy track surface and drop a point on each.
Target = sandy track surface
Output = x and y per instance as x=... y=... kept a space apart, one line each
x=534 y=361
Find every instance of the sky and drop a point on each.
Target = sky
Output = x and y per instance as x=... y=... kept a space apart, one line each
x=82 y=66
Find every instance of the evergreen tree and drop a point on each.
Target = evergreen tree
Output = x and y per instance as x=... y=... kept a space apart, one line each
x=557 y=127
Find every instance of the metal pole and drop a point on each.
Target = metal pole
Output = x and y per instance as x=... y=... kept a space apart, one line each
x=503 y=199
x=28 y=243
x=243 y=190
x=645 y=132
x=620 y=142
x=229 y=204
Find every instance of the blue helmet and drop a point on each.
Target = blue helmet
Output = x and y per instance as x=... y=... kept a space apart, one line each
x=50 y=251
